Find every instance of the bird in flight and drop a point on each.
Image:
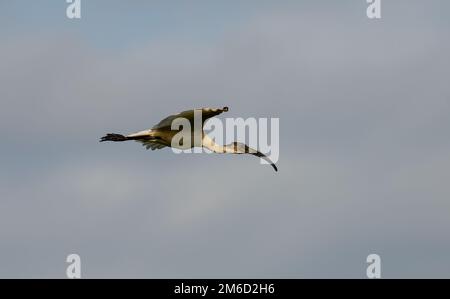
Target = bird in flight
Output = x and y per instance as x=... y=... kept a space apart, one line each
x=162 y=135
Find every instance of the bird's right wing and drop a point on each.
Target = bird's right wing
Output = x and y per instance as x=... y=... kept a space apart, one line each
x=151 y=144
x=189 y=114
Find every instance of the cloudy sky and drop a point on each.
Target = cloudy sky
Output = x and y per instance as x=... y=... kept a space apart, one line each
x=364 y=162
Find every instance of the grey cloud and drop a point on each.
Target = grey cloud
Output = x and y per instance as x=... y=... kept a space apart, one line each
x=363 y=112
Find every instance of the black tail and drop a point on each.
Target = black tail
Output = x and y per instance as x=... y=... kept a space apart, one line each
x=114 y=137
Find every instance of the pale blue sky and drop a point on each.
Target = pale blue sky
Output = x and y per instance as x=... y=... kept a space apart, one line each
x=118 y=24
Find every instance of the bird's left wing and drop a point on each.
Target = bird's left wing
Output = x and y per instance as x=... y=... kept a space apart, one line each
x=189 y=115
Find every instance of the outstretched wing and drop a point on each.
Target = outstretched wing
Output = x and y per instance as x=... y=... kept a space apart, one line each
x=151 y=144
x=189 y=114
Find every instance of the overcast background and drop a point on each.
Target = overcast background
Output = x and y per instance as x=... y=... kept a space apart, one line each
x=364 y=162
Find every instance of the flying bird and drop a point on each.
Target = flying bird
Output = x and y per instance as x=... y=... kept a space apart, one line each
x=162 y=134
